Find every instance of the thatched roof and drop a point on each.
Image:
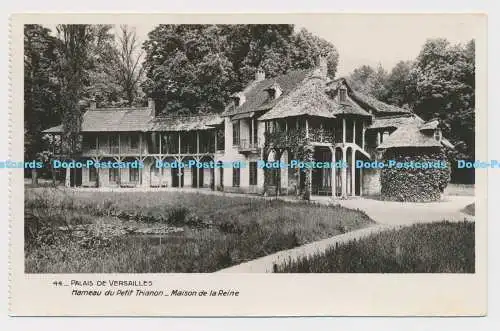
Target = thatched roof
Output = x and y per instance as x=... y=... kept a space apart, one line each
x=112 y=120
x=257 y=98
x=54 y=129
x=139 y=119
x=394 y=121
x=185 y=123
x=348 y=107
x=308 y=99
x=366 y=101
x=430 y=125
x=415 y=134
x=409 y=136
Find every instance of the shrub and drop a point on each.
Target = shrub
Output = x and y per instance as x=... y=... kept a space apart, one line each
x=411 y=184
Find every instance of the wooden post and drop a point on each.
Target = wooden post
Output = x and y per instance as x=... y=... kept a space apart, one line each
x=363 y=135
x=344 y=173
x=251 y=132
x=343 y=131
x=354 y=131
x=179 y=143
x=353 y=173
x=215 y=141
x=307 y=128
x=140 y=158
x=160 y=151
x=198 y=160
x=360 y=181
x=378 y=138
x=333 y=173
x=119 y=145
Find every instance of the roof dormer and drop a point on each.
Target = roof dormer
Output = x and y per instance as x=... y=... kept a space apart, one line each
x=342 y=95
x=274 y=91
x=238 y=98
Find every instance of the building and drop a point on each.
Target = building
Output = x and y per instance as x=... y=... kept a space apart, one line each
x=271 y=119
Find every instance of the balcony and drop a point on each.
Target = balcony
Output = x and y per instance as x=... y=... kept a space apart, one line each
x=247 y=146
x=321 y=136
x=111 y=151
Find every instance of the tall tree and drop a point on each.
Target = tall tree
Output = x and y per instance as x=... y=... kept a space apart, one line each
x=129 y=71
x=196 y=68
x=369 y=80
x=399 y=87
x=444 y=77
x=75 y=41
x=41 y=88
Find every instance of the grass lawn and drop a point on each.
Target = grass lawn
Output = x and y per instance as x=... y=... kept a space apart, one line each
x=212 y=231
x=443 y=247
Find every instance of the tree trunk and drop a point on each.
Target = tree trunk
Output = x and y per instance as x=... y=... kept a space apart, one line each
x=53 y=171
x=34 y=177
x=67 y=181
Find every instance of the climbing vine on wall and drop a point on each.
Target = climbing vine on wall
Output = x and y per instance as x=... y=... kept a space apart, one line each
x=414 y=184
x=299 y=146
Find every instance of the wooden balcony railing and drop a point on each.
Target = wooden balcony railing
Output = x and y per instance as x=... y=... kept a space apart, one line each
x=247 y=145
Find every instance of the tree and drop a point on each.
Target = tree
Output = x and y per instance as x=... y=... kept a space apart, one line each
x=41 y=88
x=370 y=81
x=306 y=48
x=398 y=86
x=74 y=46
x=444 y=77
x=129 y=71
x=196 y=68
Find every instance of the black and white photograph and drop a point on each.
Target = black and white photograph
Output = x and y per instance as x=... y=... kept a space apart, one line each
x=249 y=148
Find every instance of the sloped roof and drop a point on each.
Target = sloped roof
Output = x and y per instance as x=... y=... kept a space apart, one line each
x=348 y=107
x=112 y=120
x=411 y=135
x=430 y=125
x=54 y=129
x=307 y=99
x=139 y=119
x=257 y=98
x=377 y=105
x=185 y=123
x=394 y=121
x=367 y=101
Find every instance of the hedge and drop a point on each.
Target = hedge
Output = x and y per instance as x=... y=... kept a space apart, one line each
x=410 y=184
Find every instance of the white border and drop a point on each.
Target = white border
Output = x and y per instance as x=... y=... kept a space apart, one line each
x=288 y=324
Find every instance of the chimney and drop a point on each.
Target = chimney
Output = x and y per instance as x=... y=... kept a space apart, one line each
x=260 y=75
x=93 y=105
x=322 y=65
x=151 y=105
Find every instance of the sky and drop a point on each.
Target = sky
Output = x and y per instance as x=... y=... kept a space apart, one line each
x=373 y=39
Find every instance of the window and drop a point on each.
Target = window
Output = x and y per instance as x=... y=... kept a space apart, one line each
x=343 y=94
x=113 y=175
x=236 y=177
x=92 y=174
x=438 y=135
x=134 y=142
x=236 y=133
x=253 y=173
x=255 y=131
x=134 y=175
x=385 y=136
x=113 y=144
x=92 y=142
